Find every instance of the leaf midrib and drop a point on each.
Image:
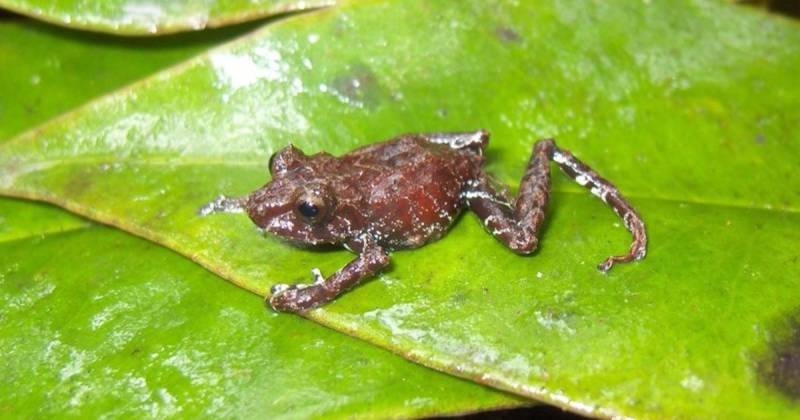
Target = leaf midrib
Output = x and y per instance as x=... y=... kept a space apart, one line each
x=261 y=163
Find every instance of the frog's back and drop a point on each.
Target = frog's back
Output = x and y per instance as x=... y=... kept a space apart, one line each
x=411 y=187
x=408 y=147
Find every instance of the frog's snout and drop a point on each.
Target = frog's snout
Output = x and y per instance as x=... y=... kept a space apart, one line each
x=264 y=207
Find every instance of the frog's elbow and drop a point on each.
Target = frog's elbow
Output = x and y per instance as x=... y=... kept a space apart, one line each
x=524 y=245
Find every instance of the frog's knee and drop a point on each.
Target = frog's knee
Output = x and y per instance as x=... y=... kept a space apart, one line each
x=545 y=145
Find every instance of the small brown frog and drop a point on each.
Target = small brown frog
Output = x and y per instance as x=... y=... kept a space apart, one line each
x=404 y=193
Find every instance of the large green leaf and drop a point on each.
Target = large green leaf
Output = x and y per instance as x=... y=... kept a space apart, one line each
x=47 y=71
x=690 y=109
x=152 y=17
x=93 y=321
x=20 y=219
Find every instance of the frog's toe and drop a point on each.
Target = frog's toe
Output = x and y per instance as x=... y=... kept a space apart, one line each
x=283 y=295
x=279 y=288
x=292 y=298
x=317 y=276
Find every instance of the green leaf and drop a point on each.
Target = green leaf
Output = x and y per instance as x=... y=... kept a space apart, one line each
x=690 y=110
x=134 y=17
x=93 y=321
x=45 y=74
x=97 y=322
x=20 y=219
x=47 y=71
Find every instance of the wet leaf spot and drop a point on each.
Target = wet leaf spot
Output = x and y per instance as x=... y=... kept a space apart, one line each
x=358 y=87
x=506 y=34
x=781 y=370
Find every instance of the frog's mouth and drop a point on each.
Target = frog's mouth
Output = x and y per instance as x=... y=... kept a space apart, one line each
x=317 y=246
x=273 y=220
x=281 y=221
x=297 y=233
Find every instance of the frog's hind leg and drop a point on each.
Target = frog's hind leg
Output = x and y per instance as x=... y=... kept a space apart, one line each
x=606 y=191
x=518 y=225
x=515 y=225
x=474 y=141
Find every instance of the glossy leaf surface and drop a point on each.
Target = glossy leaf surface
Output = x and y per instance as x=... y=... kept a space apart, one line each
x=95 y=322
x=137 y=17
x=48 y=71
x=690 y=110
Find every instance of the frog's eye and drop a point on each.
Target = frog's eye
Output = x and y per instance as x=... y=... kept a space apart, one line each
x=312 y=207
x=308 y=210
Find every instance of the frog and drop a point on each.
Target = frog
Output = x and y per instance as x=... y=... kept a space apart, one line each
x=404 y=193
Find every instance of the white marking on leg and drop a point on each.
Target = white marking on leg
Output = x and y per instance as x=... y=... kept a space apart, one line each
x=279 y=288
x=500 y=231
x=601 y=193
x=470 y=194
x=456 y=140
x=318 y=277
x=582 y=177
x=559 y=157
x=640 y=254
x=627 y=219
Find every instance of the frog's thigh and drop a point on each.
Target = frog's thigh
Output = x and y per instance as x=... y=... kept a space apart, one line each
x=515 y=226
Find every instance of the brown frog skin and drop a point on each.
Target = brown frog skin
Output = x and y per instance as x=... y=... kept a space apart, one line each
x=404 y=193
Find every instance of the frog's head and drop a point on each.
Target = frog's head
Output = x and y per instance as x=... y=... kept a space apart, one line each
x=295 y=204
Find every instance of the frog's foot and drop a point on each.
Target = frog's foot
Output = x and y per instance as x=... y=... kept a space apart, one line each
x=317 y=275
x=297 y=297
x=223 y=204
x=637 y=252
x=302 y=297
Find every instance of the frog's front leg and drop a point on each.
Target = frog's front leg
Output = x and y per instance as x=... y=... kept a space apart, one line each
x=299 y=298
x=224 y=204
x=518 y=225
